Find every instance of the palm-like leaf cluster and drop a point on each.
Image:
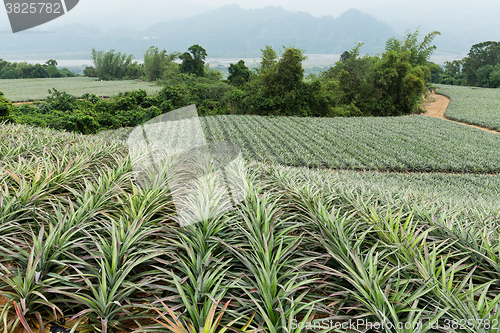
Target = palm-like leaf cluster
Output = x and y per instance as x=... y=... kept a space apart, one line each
x=80 y=240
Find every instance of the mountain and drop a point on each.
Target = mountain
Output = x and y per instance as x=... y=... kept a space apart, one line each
x=231 y=31
x=228 y=31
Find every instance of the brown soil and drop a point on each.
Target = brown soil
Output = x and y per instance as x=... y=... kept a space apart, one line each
x=20 y=103
x=435 y=106
x=106 y=98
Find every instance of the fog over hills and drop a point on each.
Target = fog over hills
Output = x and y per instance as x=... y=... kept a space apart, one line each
x=229 y=31
x=233 y=31
x=131 y=26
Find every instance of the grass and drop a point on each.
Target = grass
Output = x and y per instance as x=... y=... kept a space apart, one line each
x=22 y=90
x=306 y=248
x=477 y=106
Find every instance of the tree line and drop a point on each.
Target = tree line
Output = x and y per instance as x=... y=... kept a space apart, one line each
x=382 y=85
x=480 y=68
x=24 y=70
x=390 y=84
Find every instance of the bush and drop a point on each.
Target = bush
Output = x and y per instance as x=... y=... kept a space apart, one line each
x=5 y=108
x=91 y=114
x=62 y=101
x=349 y=110
x=90 y=71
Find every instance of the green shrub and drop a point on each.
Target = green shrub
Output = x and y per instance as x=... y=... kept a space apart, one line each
x=62 y=101
x=349 y=110
x=5 y=108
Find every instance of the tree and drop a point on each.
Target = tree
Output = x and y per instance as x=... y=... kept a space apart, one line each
x=419 y=52
x=289 y=70
x=51 y=62
x=194 y=62
x=90 y=71
x=354 y=77
x=239 y=74
x=486 y=54
x=52 y=70
x=157 y=62
x=344 y=56
x=269 y=59
x=390 y=85
x=399 y=85
x=280 y=88
x=111 y=65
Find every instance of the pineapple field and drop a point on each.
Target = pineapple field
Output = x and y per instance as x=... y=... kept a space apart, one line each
x=84 y=248
x=25 y=90
x=476 y=106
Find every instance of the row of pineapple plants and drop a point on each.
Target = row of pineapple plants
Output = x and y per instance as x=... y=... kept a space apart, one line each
x=81 y=241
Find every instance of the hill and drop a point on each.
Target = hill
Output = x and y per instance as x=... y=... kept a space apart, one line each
x=228 y=31
x=233 y=31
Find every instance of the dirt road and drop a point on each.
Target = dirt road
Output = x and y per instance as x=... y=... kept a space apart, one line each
x=435 y=106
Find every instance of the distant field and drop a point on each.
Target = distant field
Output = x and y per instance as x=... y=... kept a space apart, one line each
x=410 y=143
x=477 y=106
x=23 y=90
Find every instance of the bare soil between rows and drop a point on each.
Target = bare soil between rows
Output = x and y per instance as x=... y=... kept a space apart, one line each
x=435 y=106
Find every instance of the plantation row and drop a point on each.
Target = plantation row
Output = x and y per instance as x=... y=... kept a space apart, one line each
x=410 y=143
x=78 y=237
x=477 y=106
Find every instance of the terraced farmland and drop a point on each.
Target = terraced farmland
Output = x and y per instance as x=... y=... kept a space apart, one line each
x=477 y=106
x=23 y=90
x=410 y=143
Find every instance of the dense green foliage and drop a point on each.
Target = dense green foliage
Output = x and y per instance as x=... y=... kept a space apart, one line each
x=158 y=63
x=80 y=239
x=477 y=106
x=90 y=71
x=5 y=108
x=239 y=73
x=419 y=52
x=279 y=88
x=390 y=85
x=387 y=85
x=111 y=65
x=481 y=68
x=92 y=113
x=24 y=70
x=193 y=62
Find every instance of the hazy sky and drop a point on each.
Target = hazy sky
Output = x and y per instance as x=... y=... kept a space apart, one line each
x=315 y=7
x=460 y=21
x=116 y=9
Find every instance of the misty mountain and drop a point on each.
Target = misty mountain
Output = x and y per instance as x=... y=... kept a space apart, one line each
x=129 y=15
x=229 y=31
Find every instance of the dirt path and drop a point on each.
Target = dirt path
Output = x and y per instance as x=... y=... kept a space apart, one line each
x=31 y=102
x=435 y=106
